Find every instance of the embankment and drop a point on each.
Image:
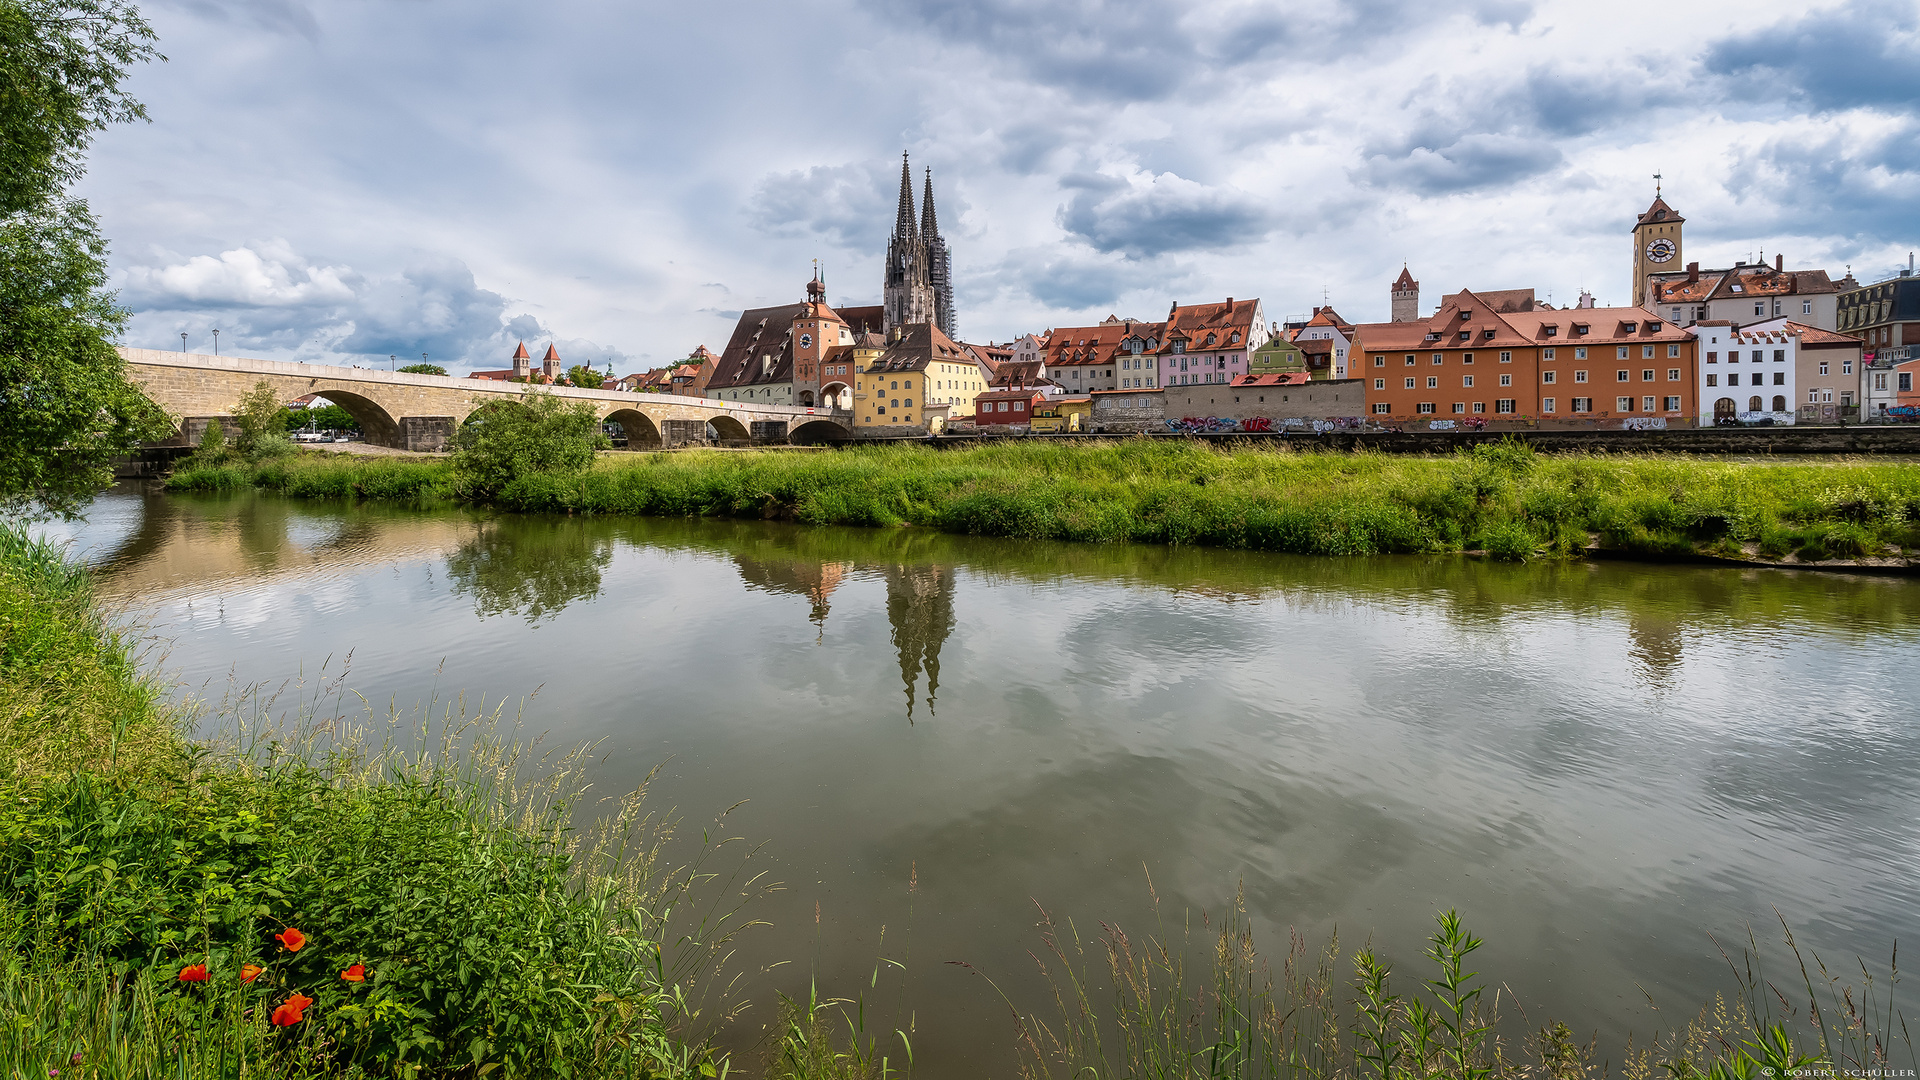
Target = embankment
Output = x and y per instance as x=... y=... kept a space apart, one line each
x=1502 y=498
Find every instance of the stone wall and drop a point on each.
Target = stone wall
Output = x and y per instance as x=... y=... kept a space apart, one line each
x=1312 y=401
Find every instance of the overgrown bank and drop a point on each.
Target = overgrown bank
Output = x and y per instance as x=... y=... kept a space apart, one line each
x=302 y=902
x=1506 y=500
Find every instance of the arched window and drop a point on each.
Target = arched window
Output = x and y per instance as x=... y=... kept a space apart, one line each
x=1779 y=403
x=1753 y=403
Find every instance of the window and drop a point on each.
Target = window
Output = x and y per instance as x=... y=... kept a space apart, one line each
x=1583 y=404
x=1433 y=382
x=1733 y=379
x=1466 y=380
x=1379 y=384
x=1459 y=408
x=1380 y=406
x=1906 y=381
x=1506 y=358
x=1779 y=378
x=1410 y=382
x=1813 y=396
x=1673 y=350
x=1806 y=307
x=1646 y=375
x=1546 y=354
x=1624 y=404
x=1713 y=358
x=1579 y=376
x=1409 y=359
x=1823 y=367
x=1379 y=361
x=1466 y=358
x=1846 y=367
x=1879 y=382
x=1646 y=403
x=1620 y=353
x=1673 y=374
x=1546 y=404
x=1778 y=355
x=1547 y=377
x=1759 y=307
x=1646 y=352
x=1756 y=355
x=1438 y=359
x=1424 y=407
x=896 y=385
x=1623 y=375
x=1580 y=353
x=1504 y=405
x=1506 y=380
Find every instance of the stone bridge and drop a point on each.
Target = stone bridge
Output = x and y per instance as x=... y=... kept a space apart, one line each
x=420 y=412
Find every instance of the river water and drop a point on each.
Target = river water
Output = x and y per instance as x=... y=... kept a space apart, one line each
x=1598 y=764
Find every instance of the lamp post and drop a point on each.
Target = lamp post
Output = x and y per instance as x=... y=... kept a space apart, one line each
x=393 y=362
x=216 y=341
x=183 y=341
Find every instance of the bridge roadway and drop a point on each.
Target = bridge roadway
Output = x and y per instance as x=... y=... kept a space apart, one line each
x=420 y=412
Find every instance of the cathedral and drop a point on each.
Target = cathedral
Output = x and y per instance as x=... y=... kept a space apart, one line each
x=918 y=286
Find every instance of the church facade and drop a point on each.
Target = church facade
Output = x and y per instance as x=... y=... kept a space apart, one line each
x=918 y=284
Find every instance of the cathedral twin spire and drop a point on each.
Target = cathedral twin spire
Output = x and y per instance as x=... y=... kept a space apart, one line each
x=918 y=285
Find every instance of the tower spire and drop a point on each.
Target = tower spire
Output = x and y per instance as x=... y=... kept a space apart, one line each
x=903 y=224
x=929 y=224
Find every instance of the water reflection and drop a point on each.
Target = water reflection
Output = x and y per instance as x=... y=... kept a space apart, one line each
x=532 y=568
x=1596 y=762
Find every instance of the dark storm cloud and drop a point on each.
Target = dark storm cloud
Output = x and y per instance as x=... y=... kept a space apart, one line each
x=1865 y=189
x=1859 y=54
x=1075 y=280
x=1154 y=215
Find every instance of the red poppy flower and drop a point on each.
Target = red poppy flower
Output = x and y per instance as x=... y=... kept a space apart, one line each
x=292 y=1011
x=250 y=972
x=355 y=973
x=194 y=973
x=293 y=939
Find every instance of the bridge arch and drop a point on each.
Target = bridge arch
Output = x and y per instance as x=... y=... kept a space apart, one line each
x=642 y=433
x=836 y=395
x=726 y=429
x=376 y=423
x=815 y=432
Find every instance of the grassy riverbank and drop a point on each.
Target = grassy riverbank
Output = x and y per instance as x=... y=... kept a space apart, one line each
x=1506 y=500
x=169 y=904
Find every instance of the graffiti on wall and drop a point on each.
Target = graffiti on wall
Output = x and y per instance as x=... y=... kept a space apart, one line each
x=1644 y=423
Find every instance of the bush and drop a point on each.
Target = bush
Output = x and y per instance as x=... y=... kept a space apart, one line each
x=542 y=434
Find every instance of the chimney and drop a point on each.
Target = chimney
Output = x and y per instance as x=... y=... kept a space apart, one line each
x=1779 y=261
x=1173 y=308
x=1693 y=273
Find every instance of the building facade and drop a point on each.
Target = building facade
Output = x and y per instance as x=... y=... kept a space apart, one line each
x=1210 y=343
x=1499 y=359
x=919 y=375
x=1885 y=315
x=1083 y=359
x=1747 y=377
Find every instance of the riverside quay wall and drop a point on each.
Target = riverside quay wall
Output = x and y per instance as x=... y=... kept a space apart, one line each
x=1796 y=439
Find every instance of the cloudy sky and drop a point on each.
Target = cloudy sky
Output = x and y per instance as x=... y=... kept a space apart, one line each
x=346 y=180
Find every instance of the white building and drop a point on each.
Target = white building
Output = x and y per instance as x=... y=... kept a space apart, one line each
x=1748 y=375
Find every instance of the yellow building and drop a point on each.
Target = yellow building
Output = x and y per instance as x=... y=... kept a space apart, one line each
x=923 y=373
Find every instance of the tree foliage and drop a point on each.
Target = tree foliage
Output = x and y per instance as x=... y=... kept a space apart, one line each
x=324 y=418
x=542 y=433
x=66 y=407
x=583 y=376
x=423 y=369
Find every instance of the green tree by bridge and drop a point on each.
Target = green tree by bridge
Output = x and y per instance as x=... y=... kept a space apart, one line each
x=66 y=407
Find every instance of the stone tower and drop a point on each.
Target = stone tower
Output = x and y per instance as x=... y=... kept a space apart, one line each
x=907 y=292
x=939 y=264
x=1656 y=245
x=1406 y=298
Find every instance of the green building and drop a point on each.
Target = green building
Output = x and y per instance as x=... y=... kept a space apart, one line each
x=1277 y=357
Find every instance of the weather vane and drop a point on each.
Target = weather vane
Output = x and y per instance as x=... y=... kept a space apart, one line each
x=1656 y=185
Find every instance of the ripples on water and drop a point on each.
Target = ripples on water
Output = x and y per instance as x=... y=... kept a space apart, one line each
x=1597 y=763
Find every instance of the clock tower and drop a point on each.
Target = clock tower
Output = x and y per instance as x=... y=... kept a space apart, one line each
x=1656 y=244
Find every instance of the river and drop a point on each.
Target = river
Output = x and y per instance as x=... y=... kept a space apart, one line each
x=1599 y=764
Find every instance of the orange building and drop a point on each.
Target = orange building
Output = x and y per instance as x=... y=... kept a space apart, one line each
x=1505 y=360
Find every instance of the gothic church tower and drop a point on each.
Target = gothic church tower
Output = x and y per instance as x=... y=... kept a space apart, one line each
x=918 y=286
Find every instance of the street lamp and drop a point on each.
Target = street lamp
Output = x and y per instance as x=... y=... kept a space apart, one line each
x=216 y=342
x=393 y=362
x=183 y=341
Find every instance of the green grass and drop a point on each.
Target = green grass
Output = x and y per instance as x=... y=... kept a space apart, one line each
x=442 y=857
x=1503 y=499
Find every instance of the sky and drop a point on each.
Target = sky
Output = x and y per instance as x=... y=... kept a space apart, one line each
x=345 y=181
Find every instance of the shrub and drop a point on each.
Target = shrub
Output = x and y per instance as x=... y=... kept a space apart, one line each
x=542 y=433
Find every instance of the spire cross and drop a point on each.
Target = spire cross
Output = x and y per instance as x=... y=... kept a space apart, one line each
x=1656 y=185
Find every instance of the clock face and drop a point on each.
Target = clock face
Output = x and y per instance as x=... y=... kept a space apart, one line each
x=1660 y=250
x=806 y=340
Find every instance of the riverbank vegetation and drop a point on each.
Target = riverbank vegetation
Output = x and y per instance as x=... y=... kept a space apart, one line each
x=341 y=896
x=1506 y=500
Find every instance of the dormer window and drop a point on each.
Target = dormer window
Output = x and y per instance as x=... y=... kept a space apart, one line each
x=1580 y=329
x=1550 y=330
x=1179 y=346
x=1488 y=335
x=1466 y=314
x=1466 y=335
x=1653 y=328
x=1233 y=338
x=1738 y=288
x=1627 y=328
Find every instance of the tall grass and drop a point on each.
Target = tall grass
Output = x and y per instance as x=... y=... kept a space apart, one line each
x=1201 y=1003
x=468 y=907
x=1505 y=499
